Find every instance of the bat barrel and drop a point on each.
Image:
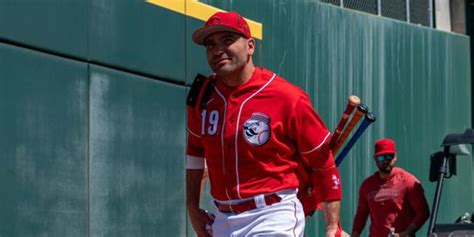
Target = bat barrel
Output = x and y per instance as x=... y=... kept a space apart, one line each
x=361 y=110
x=352 y=103
x=369 y=118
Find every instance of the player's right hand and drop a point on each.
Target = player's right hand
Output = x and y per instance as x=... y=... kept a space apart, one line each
x=199 y=219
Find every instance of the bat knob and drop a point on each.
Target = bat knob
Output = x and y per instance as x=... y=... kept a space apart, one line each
x=354 y=100
x=370 y=116
x=363 y=108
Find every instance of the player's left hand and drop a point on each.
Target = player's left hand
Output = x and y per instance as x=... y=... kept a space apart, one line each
x=345 y=234
x=331 y=233
x=336 y=232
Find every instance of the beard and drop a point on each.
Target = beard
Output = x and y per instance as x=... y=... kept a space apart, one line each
x=385 y=168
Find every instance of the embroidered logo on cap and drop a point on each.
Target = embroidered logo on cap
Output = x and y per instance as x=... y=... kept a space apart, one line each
x=257 y=129
x=214 y=21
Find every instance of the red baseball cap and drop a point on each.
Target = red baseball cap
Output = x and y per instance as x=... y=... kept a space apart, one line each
x=222 y=21
x=385 y=146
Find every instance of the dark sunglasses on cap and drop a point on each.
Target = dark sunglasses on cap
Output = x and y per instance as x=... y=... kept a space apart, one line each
x=383 y=157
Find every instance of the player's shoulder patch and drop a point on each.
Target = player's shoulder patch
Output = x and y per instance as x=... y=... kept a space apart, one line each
x=200 y=90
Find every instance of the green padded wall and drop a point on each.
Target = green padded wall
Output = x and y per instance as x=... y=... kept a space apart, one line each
x=43 y=144
x=136 y=150
x=59 y=26
x=138 y=36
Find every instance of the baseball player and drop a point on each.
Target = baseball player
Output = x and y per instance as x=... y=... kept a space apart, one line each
x=391 y=196
x=252 y=129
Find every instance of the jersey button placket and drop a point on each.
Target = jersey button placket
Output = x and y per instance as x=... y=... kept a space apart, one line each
x=231 y=114
x=229 y=136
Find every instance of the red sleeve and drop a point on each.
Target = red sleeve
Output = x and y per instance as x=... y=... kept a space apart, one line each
x=312 y=139
x=362 y=212
x=194 y=147
x=418 y=202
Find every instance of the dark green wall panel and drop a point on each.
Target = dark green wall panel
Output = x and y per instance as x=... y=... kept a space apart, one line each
x=43 y=144
x=138 y=36
x=54 y=25
x=196 y=61
x=137 y=143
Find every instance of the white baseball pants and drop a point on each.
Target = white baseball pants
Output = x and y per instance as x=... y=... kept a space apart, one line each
x=282 y=219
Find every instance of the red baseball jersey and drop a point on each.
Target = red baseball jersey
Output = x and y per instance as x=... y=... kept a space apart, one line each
x=396 y=201
x=254 y=135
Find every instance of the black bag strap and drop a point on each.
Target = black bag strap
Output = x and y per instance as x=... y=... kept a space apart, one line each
x=200 y=83
x=207 y=92
x=193 y=94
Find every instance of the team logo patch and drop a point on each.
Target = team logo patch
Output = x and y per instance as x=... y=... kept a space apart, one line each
x=336 y=181
x=257 y=129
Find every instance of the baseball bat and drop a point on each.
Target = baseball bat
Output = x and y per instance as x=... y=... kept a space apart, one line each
x=369 y=119
x=361 y=110
x=351 y=104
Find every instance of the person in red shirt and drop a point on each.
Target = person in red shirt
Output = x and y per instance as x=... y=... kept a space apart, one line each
x=392 y=197
x=252 y=129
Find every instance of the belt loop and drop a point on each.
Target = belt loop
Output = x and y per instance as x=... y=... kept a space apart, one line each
x=231 y=209
x=260 y=201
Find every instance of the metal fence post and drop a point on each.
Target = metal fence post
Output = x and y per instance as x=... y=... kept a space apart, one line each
x=379 y=8
x=431 y=9
x=407 y=7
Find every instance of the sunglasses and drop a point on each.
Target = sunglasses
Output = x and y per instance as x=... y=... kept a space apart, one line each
x=381 y=158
